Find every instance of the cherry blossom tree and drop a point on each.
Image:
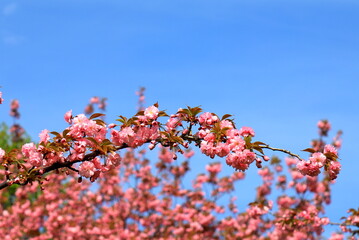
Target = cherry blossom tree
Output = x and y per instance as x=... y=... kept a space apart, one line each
x=93 y=181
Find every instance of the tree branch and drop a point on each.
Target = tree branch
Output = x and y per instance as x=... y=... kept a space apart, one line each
x=282 y=150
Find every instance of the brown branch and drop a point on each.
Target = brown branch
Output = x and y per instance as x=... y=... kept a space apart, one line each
x=58 y=165
x=342 y=224
x=282 y=150
x=68 y=164
x=53 y=167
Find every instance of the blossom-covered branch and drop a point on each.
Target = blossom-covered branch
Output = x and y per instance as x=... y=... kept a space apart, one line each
x=85 y=141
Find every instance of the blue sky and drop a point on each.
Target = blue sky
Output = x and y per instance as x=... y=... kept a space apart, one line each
x=277 y=66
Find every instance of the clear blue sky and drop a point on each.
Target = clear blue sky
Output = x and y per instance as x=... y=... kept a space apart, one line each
x=278 y=66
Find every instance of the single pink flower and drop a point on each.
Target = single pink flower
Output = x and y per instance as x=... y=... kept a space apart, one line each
x=330 y=149
x=44 y=136
x=87 y=169
x=68 y=117
x=246 y=131
x=318 y=159
x=114 y=159
x=151 y=112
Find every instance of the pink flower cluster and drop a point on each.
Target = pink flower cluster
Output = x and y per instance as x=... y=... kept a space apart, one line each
x=92 y=169
x=134 y=136
x=34 y=156
x=257 y=210
x=227 y=143
x=137 y=135
x=318 y=160
x=87 y=169
x=84 y=127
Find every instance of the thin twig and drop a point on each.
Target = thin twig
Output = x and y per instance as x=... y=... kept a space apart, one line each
x=282 y=150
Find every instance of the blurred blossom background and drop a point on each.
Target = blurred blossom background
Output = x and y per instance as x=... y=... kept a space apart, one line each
x=277 y=66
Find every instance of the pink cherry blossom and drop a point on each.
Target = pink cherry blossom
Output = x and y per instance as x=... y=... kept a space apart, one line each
x=207 y=118
x=318 y=159
x=334 y=169
x=114 y=159
x=44 y=136
x=87 y=169
x=68 y=117
x=330 y=149
x=151 y=112
x=246 y=131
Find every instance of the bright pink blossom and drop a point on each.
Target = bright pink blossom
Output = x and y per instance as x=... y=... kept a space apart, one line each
x=151 y=112
x=318 y=159
x=246 y=131
x=68 y=117
x=28 y=148
x=334 y=169
x=173 y=122
x=308 y=168
x=82 y=126
x=87 y=169
x=207 y=118
x=34 y=157
x=44 y=136
x=330 y=149
x=114 y=159
x=222 y=149
x=226 y=124
x=208 y=149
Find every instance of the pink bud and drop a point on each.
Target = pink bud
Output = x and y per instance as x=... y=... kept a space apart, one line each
x=151 y=146
x=185 y=131
x=68 y=116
